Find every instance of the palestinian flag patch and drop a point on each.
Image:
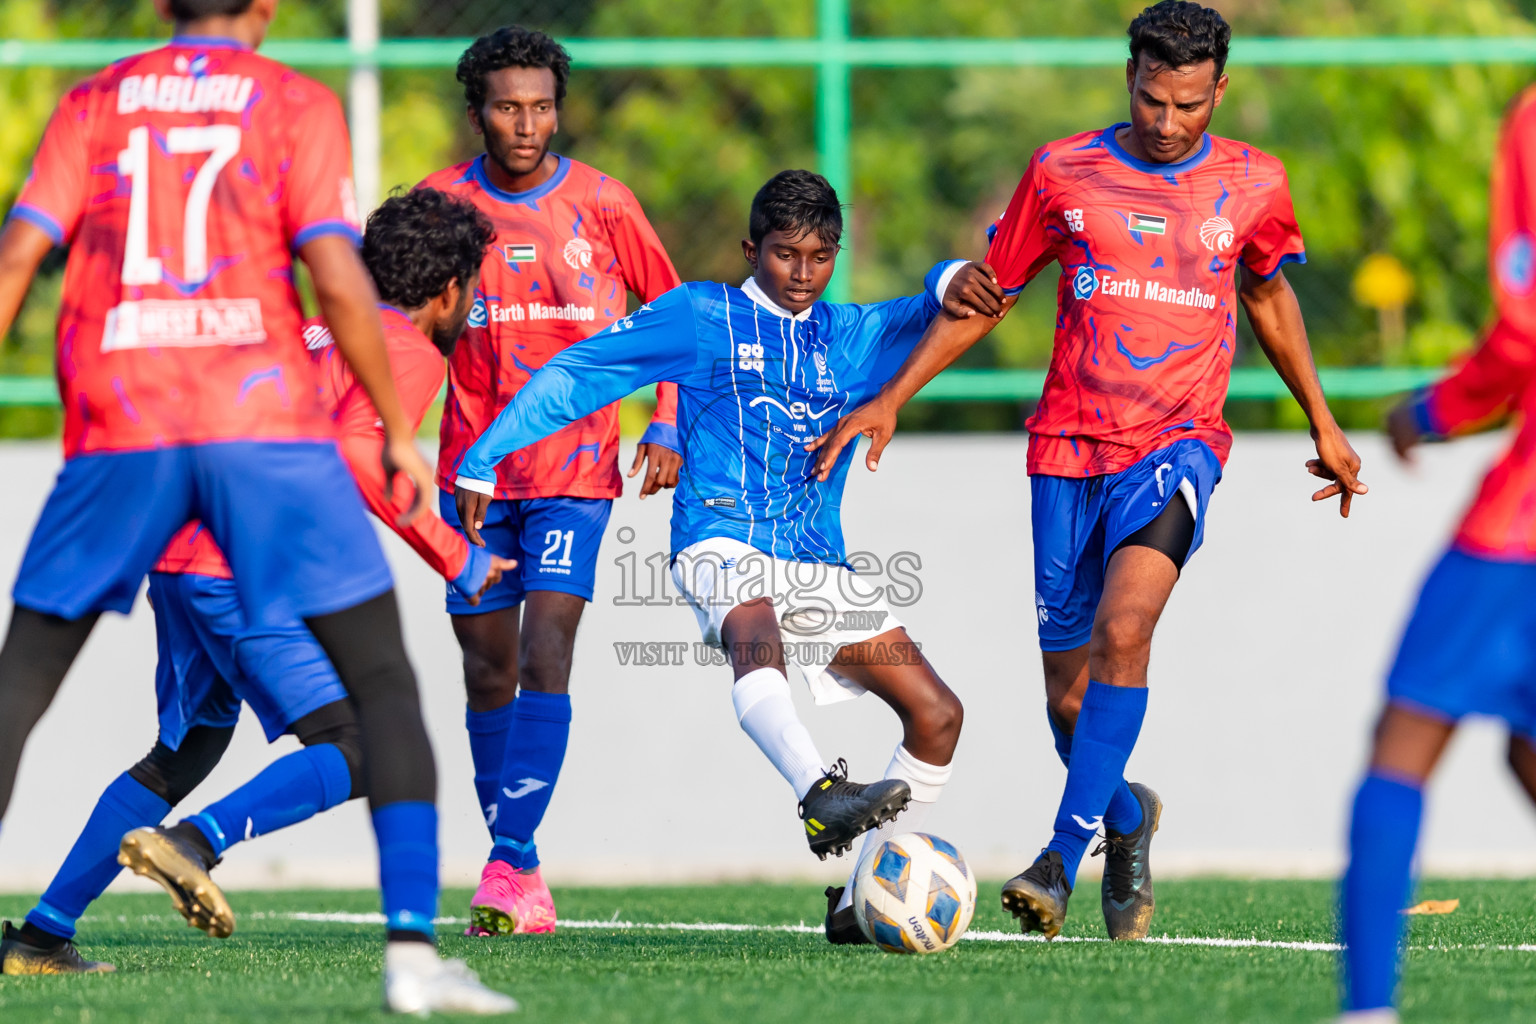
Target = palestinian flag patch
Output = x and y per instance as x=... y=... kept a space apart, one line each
x=519 y=253
x=1147 y=224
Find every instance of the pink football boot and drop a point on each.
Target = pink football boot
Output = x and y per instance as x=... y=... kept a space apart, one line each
x=510 y=902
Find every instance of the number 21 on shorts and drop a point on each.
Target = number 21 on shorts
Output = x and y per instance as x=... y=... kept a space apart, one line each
x=554 y=540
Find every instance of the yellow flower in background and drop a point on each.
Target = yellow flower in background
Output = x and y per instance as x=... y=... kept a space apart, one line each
x=1382 y=282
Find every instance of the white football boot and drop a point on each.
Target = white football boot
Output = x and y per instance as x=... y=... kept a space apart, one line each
x=417 y=980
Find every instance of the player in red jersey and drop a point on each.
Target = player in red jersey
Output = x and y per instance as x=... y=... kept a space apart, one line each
x=572 y=242
x=423 y=251
x=1150 y=222
x=184 y=180
x=1470 y=645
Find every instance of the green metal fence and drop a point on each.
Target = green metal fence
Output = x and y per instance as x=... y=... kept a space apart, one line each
x=834 y=53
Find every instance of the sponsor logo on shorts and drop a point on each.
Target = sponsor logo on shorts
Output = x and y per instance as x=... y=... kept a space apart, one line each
x=720 y=503
x=1040 y=611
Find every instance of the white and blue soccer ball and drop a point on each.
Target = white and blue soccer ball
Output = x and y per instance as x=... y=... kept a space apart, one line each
x=914 y=893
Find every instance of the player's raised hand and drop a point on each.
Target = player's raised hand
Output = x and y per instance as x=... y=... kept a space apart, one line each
x=661 y=466
x=1403 y=430
x=974 y=291
x=472 y=506
x=401 y=456
x=499 y=567
x=874 y=419
x=1336 y=461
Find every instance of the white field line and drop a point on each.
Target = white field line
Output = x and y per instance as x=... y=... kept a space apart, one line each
x=807 y=929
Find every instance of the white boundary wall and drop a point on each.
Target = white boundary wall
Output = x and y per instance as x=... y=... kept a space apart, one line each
x=1265 y=675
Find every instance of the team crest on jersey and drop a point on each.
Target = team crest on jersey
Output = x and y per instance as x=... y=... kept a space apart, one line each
x=478 y=315
x=578 y=254
x=1085 y=282
x=1217 y=234
x=521 y=253
x=824 y=383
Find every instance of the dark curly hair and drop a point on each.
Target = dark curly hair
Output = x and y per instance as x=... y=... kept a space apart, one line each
x=797 y=203
x=1176 y=34
x=511 y=46
x=417 y=243
x=195 y=10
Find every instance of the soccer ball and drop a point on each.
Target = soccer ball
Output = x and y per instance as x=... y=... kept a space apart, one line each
x=914 y=894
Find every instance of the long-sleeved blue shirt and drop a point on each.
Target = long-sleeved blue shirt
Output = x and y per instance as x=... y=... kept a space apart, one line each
x=755 y=383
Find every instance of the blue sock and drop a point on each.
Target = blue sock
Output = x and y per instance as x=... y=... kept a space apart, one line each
x=291 y=789
x=1382 y=835
x=541 y=725
x=407 y=835
x=1106 y=732
x=92 y=861
x=1124 y=812
x=488 y=748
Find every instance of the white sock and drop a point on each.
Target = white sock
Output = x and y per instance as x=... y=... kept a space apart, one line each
x=768 y=716
x=927 y=782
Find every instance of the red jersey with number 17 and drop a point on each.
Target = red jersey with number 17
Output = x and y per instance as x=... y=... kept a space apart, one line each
x=182 y=180
x=567 y=254
x=1147 y=303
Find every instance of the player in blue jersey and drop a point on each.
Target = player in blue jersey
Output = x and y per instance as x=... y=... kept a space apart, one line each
x=757 y=542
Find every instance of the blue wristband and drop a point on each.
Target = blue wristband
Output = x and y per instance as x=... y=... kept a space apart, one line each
x=664 y=434
x=476 y=568
x=1422 y=418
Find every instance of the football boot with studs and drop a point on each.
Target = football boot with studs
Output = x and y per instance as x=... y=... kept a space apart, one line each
x=836 y=811
x=18 y=956
x=842 y=925
x=1037 y=898
x=1127 y=884
x=167 y=858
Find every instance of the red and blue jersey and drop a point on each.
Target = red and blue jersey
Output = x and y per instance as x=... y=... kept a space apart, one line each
x=1501 y=374
x=1146 y=306
x=418 y=368
x=182 y=180
x=567 y=253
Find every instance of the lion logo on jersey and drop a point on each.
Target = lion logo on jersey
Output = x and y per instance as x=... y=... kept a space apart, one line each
x=578 y=254
x=1216 y=233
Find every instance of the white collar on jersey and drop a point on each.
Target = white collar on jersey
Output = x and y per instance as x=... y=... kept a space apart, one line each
x=755 y=292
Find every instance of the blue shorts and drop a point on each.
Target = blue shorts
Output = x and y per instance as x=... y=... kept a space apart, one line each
x=210 y=662
x=1470 y=647
x=285 y=513
x=554 y=540
x=1078 y=522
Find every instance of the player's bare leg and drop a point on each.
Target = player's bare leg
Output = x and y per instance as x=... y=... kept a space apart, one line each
x=893 y=668
x=513 y=898
x=1522 y=761
x=1137 y=584
x=488 y=643
x=835 y=811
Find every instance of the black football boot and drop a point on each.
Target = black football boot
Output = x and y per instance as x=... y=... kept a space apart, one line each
x=19 y=956
x=1127 y=885
x=842 y=925
x=1038 y=897
x=836 y=811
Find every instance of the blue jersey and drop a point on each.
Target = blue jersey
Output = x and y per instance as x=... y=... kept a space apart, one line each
x=755 y=383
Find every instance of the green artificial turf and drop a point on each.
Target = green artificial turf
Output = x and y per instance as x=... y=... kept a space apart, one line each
x=278 y=968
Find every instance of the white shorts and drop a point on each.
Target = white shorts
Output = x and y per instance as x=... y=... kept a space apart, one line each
x=822 y=608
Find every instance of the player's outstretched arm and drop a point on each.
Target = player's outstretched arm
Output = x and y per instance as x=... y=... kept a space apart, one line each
x=1277 y=323
x=22 y=248
x=974 y=303
x=659 y=341
x=350 y=308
